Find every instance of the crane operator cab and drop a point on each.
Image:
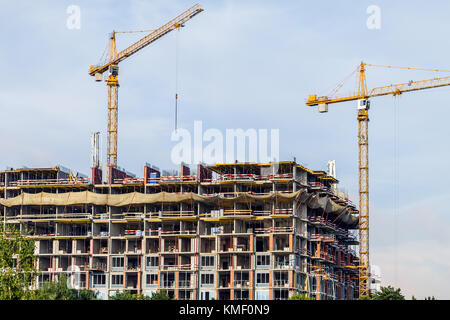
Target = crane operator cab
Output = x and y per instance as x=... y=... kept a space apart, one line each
x=363 y=104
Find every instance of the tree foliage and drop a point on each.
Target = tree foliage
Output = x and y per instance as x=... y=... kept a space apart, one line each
x=298 y=296
x=127 y=295
x=17 y=264
x=160 y=295
x=388 y=293
x=59 y=290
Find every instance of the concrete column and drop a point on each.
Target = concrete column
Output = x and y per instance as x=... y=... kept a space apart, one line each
x=139 y=280
x=348 y=288
x=232 y=284
x=339 y=287
x=294 y=175
x=291 y=278
x=252 y=285
x=217 y=283
x=270 y=284
x=177 y=277
x=318 y=287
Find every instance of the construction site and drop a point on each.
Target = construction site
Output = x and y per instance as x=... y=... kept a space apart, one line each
x=227 y=232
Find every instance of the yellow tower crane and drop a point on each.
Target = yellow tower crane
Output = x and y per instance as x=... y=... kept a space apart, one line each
x=112 y=65
x=362 y=96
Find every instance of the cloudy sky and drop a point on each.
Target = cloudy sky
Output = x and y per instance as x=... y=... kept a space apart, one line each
x=248 y=64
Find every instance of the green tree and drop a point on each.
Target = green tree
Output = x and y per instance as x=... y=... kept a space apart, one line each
x=123 y=295
x=430 y=298
x=17 y=264
x=59 y=290
x=298 y=296
x=388 y=293
x=127 y=295
x=86 y=294
x=55 y=290
x=160 y=295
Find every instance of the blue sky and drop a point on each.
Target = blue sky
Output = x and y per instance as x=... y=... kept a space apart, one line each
x=247 y=64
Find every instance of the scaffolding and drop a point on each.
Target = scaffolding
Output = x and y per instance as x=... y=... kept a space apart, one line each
x=228 y=231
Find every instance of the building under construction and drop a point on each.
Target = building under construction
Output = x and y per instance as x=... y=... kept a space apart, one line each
x=228 y=231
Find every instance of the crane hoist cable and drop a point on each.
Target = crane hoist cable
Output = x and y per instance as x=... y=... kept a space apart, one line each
x=396 y=182
x=176 y=76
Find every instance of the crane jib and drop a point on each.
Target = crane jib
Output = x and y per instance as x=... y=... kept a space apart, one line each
x=148 y=39
x=394 y=89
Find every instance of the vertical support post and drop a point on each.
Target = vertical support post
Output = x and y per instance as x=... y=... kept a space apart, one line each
x=271 y=284
x=318 y=286
x=113 y=108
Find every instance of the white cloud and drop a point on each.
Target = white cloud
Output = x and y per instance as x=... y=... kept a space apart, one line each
x=411 y=247
x=419 y=268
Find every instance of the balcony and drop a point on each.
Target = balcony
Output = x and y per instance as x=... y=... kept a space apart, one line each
x=320 y=186
x=177 y=232
x=79 y=284
x=38 y=182
x=281 y=283
x=100 y=266
x=165 y=179
x=286 y=229
x=237 y=213
x=250 y=177
x=184 y=284
x=175 y=267
x=168 y=284
x=68 y=235
x=303 y=252
x=280 y=211
x=241 y=283
x=176 y=214
x=133 y=264
x=152 y=232
x=129 y=180
x=101 y=216
x=117 y=285
x=133 y=233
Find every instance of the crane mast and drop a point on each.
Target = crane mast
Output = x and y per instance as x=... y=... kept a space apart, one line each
x=362 y=96
x=363 y=171
x=112 y=65
x=112 y=106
